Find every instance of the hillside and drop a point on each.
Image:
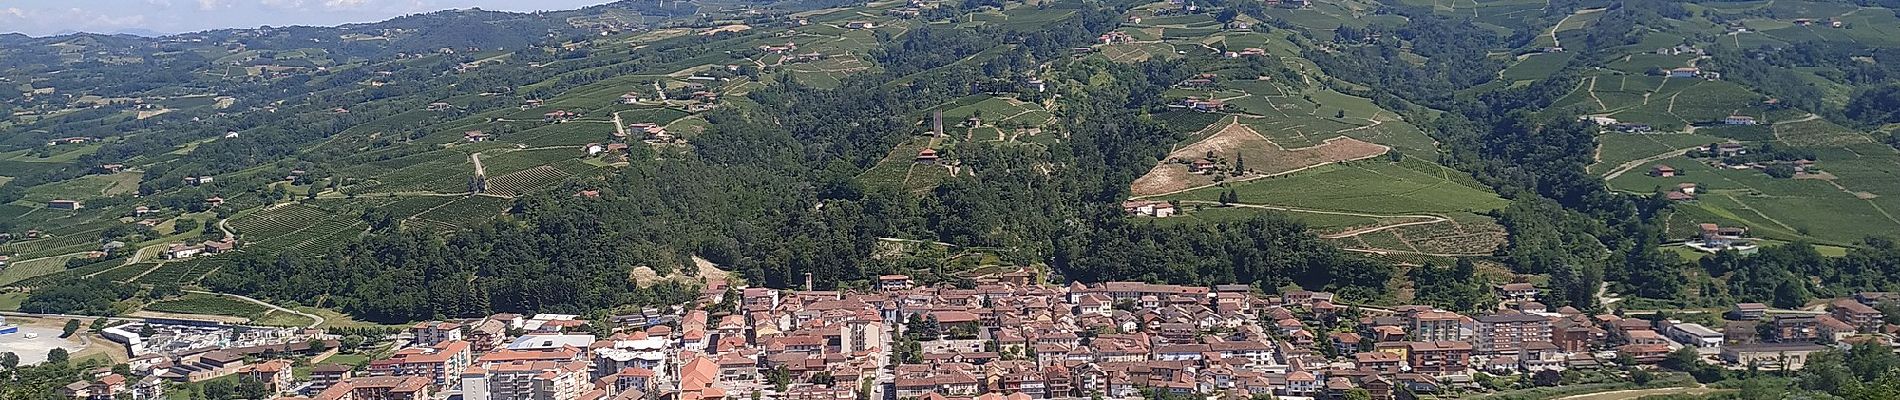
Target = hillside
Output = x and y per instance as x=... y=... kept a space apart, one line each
x=468 y=162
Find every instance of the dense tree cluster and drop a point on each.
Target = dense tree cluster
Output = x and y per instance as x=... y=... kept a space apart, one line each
x=78 y=296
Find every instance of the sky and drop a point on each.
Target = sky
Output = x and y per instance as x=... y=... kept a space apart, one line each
x=48 y=17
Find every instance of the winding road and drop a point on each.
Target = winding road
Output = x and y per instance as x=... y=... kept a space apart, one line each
x=316 y=320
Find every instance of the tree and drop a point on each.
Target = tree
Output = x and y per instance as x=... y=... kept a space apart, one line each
x=184 y=225
x=1240 y=164
x=72 y=326
x=252 y=388
x=8 y=360
x=1358 y=394
x=1641 y=377
x=1340 y=114
x=352 y=342
x=57 y=356
x=100 y=324
x=1547 y=378
x=1227 y=15
x=221 y=389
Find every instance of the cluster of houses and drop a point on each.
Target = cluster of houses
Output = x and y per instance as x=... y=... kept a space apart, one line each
x=1200 y=104
x=1713 y=238
x=1247 y=52
x=1618 y=126
x=1008 y=337
x=1148 y=208
x=1691 y=72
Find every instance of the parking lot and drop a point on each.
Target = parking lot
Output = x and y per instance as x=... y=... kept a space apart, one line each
x=33 y=351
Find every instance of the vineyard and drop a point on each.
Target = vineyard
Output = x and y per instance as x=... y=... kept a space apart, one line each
x=276 y=222
x=519 y=182
x=331 y=238
x=126 y=273
x=182 y=272
x=74 y=272
x=509 y=162
x=304 y=238
x=462 y=213
x=62 y=244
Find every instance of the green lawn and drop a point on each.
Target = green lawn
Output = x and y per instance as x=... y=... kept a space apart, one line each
x=11 y=301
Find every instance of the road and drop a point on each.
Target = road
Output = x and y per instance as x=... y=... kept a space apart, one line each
x=1626 y=167
x=477 y=159
x=316 y=320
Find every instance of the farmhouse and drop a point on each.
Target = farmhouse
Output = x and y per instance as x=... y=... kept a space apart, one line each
x=1684 y=192
x=1599 y=120
x=1201 y=167
x=860 y=25
x=927 y=156
x=1631 y=128
x=219 y=246
x=1198 y=104
x=181 y=251
x=475 y=136
x=1727 y=149
x=1157 y=209
x=1685 y=72
x=214 y=201
x=1116 y=37
x=1662 y=171
x=64 y=205
x=112 y=168
x=630 y=98
x=198 y=180
x=559 y=116
x=788 y=47
x=69 y=140
x=1740 y=120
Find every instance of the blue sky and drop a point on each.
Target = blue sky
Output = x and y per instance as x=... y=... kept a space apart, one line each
x=46 y=17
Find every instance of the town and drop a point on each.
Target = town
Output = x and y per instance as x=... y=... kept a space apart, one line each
x=1005 y=337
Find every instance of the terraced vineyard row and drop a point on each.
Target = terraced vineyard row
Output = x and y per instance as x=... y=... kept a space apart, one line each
x=312 y=230
x=63 y=244
x=182 y=272
x=126 y=273
x=463 y=212
x=280 y=221
x=522 y=181
x=330 y=240
x=71 y=273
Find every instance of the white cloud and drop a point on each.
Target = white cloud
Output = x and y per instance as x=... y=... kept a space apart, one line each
x=284 y=4
x=209 y=5
x=344 y=4
x=14 y=12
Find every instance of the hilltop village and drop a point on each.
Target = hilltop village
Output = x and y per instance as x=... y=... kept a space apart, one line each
x=1003 y=338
